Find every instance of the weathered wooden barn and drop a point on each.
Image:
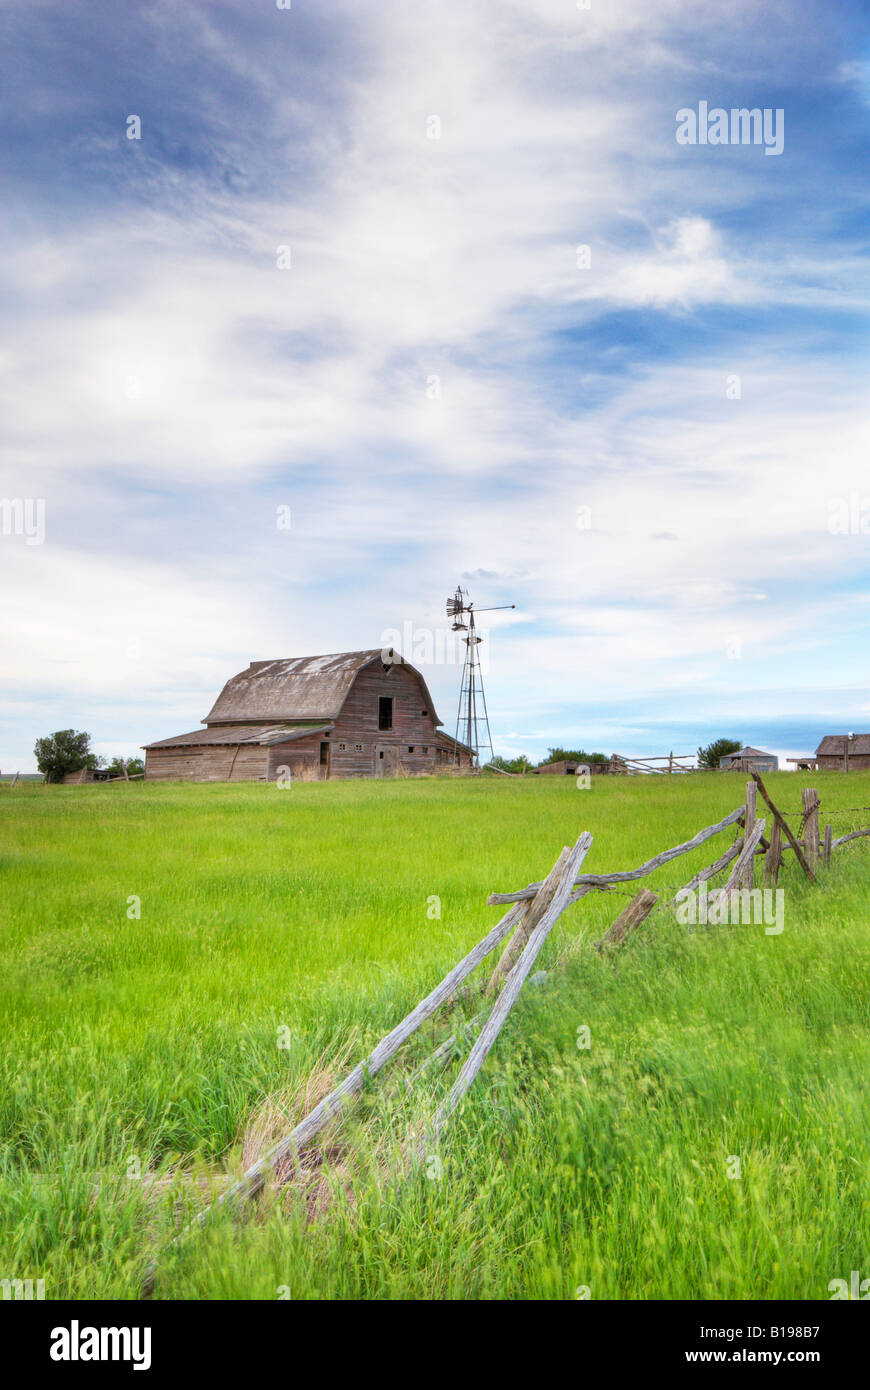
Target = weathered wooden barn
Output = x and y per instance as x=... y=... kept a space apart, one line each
x=350 y=714
x=844 y=752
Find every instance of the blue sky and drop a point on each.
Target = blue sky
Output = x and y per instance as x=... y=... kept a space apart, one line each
x=435 y=386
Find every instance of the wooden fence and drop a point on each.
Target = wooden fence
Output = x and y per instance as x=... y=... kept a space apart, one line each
x=531 y=915
x=662 y=764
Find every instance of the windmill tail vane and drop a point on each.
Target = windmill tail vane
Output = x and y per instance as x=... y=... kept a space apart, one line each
x=472 y=717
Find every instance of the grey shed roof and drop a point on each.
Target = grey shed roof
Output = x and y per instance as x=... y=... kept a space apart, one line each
x=453 y=742
x=836 y=744
x=747 y=752
x=299 y=687
x=244 y=733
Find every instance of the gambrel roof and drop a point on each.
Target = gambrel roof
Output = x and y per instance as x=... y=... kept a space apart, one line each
x=300 y=687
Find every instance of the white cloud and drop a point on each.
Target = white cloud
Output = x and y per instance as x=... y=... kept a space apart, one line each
x=165 y=352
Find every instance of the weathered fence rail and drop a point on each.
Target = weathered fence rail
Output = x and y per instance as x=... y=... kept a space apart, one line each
x=605 y=880
x=663 y=764
x=531 y=916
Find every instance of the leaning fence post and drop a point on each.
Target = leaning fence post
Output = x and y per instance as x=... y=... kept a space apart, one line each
x=290 y=1145
x=829 y=845
x=746 y=856
x=748 y=875
x=810 y=801
x=530 y=919
x=515 y=981
x=773 y=859
x=632 y=916
x=784 y=826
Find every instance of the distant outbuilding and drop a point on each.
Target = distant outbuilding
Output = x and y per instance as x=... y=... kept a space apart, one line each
x=749 y=759
x=87 y=774
x=844 y=752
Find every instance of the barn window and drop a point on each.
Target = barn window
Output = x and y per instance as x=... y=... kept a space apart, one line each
x=385 y=711
x=410 y=747
x=358 y=747
x=424 y=714
x=342 y=747
x=425 y=749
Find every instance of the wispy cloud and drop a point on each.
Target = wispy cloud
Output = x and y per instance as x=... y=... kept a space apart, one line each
x=505 y=294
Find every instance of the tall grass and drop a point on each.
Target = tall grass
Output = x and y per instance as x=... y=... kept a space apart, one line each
x=146 y=1044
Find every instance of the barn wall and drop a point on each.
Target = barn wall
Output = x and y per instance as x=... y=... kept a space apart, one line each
x=302 y=756
x=413 y=724
x=198 y=763
x=750 y=765
x=444 y=758
x=834 y=762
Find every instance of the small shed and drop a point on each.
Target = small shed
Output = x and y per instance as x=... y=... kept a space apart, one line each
x=749 y=759
x=844 y=752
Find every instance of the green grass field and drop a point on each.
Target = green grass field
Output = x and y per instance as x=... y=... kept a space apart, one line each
x=141 y=1055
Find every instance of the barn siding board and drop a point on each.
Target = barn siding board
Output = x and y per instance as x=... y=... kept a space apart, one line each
x=302 y=757
x=234 y=762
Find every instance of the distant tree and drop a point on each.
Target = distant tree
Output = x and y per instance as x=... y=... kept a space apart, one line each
x=571 y=755
x=518 y=764
x=135 y=767
x=709 y=757
x=63 y=752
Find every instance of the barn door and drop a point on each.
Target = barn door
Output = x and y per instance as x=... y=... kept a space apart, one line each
x=386 y=759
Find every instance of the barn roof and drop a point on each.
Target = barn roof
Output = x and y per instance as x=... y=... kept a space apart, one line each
x=836 y=744
x=242 y=733
x=453 y=742
x=299 y=687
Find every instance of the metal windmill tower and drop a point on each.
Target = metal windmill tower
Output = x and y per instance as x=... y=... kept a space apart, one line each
x=472 y=719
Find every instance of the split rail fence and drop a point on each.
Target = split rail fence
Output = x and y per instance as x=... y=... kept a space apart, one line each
x=666 y=763
x=530 y=917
